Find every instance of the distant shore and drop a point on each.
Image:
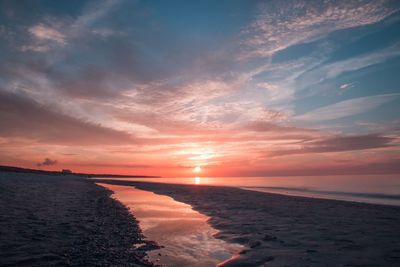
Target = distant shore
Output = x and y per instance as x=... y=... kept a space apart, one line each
x=284 y=230
x=62 y=172
x=48 y=220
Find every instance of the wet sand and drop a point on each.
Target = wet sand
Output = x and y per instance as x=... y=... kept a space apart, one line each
x=54 y=220
x=284 y=230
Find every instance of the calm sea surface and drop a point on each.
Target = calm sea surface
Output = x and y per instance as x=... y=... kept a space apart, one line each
x=378 y=189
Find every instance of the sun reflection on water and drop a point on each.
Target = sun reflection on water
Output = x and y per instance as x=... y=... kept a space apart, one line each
x=197 y=180
x=184 y=234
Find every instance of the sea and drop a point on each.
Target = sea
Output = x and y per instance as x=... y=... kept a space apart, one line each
x=375 y=189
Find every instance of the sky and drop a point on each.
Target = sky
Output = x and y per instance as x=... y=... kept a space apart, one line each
x=239 y=88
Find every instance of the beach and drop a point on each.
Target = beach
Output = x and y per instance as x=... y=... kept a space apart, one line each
x=281 y=230
x=56 y=220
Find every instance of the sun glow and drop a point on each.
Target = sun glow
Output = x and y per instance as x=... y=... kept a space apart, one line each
x=197 y=169
x=197 y=180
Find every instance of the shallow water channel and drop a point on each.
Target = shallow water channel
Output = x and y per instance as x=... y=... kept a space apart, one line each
x=185 y=235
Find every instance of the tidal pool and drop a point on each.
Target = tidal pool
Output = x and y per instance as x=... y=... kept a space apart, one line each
x=186 y=237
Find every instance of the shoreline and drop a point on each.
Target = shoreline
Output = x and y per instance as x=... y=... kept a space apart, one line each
x=326 y=187
x=50 y=220
x=287 y=230
x=70 y=221
x=332 y=195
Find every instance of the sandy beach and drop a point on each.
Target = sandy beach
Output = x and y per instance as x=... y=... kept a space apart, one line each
x=55 y=220
x=49 y=220
x=283 y=230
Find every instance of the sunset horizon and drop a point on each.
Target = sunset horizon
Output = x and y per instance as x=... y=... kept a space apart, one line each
x=200 y=133
x=127 y=88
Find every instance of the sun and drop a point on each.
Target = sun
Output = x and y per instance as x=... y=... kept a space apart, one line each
x=197 y=169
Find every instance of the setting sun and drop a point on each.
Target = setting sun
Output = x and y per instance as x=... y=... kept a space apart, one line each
x=197 y=169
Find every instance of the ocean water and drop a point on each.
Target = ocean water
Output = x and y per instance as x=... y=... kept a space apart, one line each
x=377 y=189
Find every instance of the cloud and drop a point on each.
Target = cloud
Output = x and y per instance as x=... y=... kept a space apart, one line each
x=21 y=117
x=335 y=69
x=390 y=166
x=56 y=32
x=346 y=86
x=105 y=33
x=346 y=108
x=35 y=48
x=261 y=126
x=44 y=32
x=339 y=144
x=114 y=165
x=45 y=37
x=184 y=106
x=47 y=162
x=281 y=24
x=93 y=12
x=92 y=83
x=309 y=76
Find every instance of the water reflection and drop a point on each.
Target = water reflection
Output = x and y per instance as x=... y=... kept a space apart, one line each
x=187 y=238
x=197 y=180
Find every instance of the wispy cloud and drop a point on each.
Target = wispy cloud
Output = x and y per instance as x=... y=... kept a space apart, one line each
x=93 y=12
x=44 y=32
x=346 y=86
x=24 y=118
x=346 y=108
x=57 y=32
x=339 y=144
x=280 y=24
x=332 y=70
x=44 y=37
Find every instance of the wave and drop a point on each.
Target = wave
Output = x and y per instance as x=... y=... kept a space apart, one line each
x=326 y=192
